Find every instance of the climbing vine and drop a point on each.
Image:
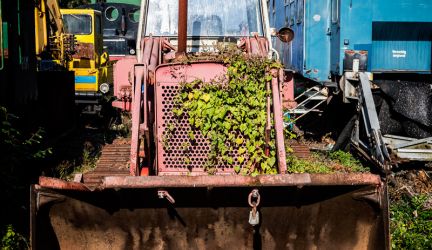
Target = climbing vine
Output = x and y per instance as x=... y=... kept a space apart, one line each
x=231 y=112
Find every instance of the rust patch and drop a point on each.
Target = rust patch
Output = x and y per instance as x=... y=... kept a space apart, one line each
x=84 y=51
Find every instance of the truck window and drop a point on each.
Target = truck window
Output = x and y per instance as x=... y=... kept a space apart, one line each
x=206 y=18
x=78 y=24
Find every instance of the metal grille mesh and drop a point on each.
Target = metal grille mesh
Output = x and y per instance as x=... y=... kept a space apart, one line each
x=173 y=158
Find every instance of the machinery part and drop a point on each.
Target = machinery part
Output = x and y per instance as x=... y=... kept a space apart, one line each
x=104 y=88
x=278 y=121
x=139 y=105
x=163 y=194
x=409 y=149
x=114 y=161
x=254 y=200
x=323 y=213
x=371 y=145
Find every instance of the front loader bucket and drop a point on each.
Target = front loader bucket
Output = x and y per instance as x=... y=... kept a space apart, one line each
x=302 y=211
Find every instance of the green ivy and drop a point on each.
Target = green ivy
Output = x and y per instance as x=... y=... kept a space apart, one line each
x=232 y=113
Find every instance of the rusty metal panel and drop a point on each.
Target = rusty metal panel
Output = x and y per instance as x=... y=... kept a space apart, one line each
x=311 y=217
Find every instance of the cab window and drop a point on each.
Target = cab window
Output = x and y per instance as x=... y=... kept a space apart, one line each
x=78 y=24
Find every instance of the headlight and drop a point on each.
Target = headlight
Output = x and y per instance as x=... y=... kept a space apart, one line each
x=132 y=51
x=104 y=88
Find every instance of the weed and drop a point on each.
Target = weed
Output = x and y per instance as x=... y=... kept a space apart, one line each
x=411 y=223
x=86 y=162
x=311 y=166
x=347 y=160
x=336 y=162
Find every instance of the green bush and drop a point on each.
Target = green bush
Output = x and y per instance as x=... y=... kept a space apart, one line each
x=17 y=146
x=11 y=240
x=411 y=223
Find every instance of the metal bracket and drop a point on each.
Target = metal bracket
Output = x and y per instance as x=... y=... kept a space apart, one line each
x=412 y=149
x=374 y=146
x=163 y=194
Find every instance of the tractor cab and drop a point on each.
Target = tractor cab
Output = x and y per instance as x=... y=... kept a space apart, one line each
x=208 y=22
x=90 y=62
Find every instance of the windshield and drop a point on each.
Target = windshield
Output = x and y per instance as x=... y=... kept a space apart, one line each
x=205 y=18
x=78 y=24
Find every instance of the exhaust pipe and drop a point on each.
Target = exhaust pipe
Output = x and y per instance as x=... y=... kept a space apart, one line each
x=182 y=27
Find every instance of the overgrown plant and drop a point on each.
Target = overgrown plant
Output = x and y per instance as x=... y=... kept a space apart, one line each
x=411 y=223
x=11 y=240
x=347 y=160
x=334 y=162
x=232 y=113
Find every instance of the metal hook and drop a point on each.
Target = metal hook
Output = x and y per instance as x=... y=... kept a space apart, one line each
x=163 y=194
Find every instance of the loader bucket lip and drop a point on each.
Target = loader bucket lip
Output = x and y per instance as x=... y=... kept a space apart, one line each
x=223 y=181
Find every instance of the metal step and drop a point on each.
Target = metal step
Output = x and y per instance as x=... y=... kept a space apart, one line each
x=314 y=97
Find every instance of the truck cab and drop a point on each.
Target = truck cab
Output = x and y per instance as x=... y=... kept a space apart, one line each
x=93 y=77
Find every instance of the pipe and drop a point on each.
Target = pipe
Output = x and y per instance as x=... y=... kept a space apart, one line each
x=141 y=29
x=182 y=26
x=277 y=113
x=266 y=24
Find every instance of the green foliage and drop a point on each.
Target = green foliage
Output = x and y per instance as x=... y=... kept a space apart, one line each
x=311 y=166
x=347 y=160
x=85 y=163
x=411 y=223
x=12 y=240
x=17 y=146
x=335 y=162
x=231 y=113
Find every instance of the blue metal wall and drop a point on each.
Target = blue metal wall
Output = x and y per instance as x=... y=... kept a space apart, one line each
x=309 y=20
x=396 y=33
x=286 y=13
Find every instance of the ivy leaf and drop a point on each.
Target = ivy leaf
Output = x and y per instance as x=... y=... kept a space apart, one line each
x=227 y=125
x=205 y=97
x=230 y=160
x=191 y=121
x=243 y=127
x=272 y=161
x=241 y=150
x=190 y=96
x=196 y=94
x=264 y=166
x=239 y=141
x=191 y=135
x=241 y=159
x=237 y=169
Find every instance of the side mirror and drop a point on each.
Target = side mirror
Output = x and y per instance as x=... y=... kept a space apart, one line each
x=285 y=34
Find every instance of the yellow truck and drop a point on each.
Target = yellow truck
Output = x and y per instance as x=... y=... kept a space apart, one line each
x=93 y=71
